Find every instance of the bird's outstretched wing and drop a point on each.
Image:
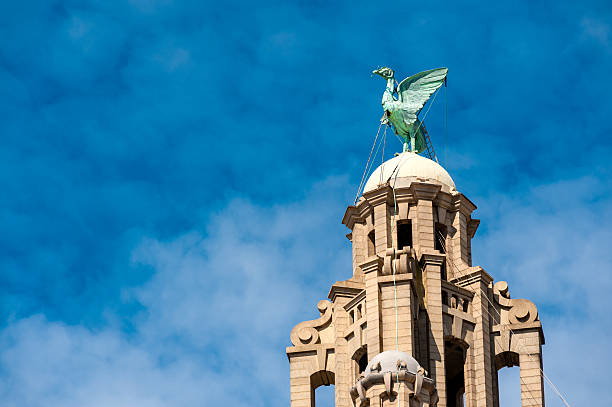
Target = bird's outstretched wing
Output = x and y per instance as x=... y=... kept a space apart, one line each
x=415 y=90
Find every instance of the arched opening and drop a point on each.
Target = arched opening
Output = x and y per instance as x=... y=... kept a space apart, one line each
x=371 y=244
x=404 y=234
x=324 y=396
x=508 y=379
x=322 y=389
x=440 y=245
x=454 y=362
x=360 y=361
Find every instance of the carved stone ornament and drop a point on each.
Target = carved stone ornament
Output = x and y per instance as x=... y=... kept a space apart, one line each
x=306 y=333
x=395 y=366
x=515 y=311
x=401 y=261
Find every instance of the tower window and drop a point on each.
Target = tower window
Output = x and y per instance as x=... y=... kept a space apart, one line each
x=360 y=360
x=371 y=244
x=440 y=238
x=404 y=234
x=363 y=362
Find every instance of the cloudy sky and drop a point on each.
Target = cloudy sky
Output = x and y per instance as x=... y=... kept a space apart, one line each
x=174 y=175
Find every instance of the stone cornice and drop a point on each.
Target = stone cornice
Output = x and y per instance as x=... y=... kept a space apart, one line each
x=518 y=328
x=378 y=196
x=421 y=190
x=464 y=205
x=356 y=214
x=345 y=289
x=432 y=258
x=473 y=275
x=458 y=290
x=351 y=216
x=472 y=227
x=404 y=195
x=444 y=200
x=355 y=300
x=399 y=279
x=372 y=264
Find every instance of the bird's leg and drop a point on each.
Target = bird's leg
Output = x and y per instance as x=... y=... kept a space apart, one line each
x=385 y=118
x=413 y=143
x=406 y=144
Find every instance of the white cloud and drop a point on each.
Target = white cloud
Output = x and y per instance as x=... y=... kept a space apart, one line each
x=220 y=304
x=552 y=245
x=217 y=315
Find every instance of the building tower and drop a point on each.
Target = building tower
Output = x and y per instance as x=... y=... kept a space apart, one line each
x=416 y=324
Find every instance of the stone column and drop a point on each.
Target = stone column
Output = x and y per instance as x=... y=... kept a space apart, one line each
x=432 y=266
x=382 y=221
x=371 y=269
x=302 y=394
x=424 y=237
x=481 y=386
x=530 y=363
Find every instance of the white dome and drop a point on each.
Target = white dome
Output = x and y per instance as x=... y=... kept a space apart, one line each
x=407 y=167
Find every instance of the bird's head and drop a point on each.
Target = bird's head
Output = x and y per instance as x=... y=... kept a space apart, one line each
x=385 y=72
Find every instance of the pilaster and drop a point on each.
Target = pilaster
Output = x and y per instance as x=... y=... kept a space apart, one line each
x=389 y=299
x=431 y=264
x=481 y=359
x=341 y=293
x=371 y=268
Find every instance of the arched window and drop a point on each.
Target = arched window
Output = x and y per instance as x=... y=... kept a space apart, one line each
x=322 y=389
x=324 y=396
x=371 y=244
x=404 y=234
x=508 y=379
x=360 y=361
x=454 y=362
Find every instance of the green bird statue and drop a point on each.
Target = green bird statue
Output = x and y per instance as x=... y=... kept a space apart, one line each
x=413 y=94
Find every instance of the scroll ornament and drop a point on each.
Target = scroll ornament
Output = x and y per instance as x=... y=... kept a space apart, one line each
x=518 y=311
x=306 y=333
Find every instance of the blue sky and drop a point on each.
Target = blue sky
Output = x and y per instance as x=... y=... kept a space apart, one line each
x=174 y=175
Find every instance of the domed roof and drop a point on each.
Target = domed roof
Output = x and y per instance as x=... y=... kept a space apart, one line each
x=389 y=362
x=402 y=170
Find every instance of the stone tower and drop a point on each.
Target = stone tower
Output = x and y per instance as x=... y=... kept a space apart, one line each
x=416 y=324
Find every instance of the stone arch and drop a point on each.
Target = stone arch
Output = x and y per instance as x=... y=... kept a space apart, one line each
x=505 y=383
x=360 y=360
x=506 y=359
x=455 y=358
x=318 y=379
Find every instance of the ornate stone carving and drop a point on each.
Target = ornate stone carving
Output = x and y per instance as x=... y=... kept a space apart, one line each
x=306 y=333
x=403 y=261
x=514 y=311
x=395 y=366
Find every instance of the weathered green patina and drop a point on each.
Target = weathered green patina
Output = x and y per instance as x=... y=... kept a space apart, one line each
x=402 y=112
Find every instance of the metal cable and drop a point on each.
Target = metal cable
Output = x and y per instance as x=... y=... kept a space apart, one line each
x=546 y=378
x=367 y=163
